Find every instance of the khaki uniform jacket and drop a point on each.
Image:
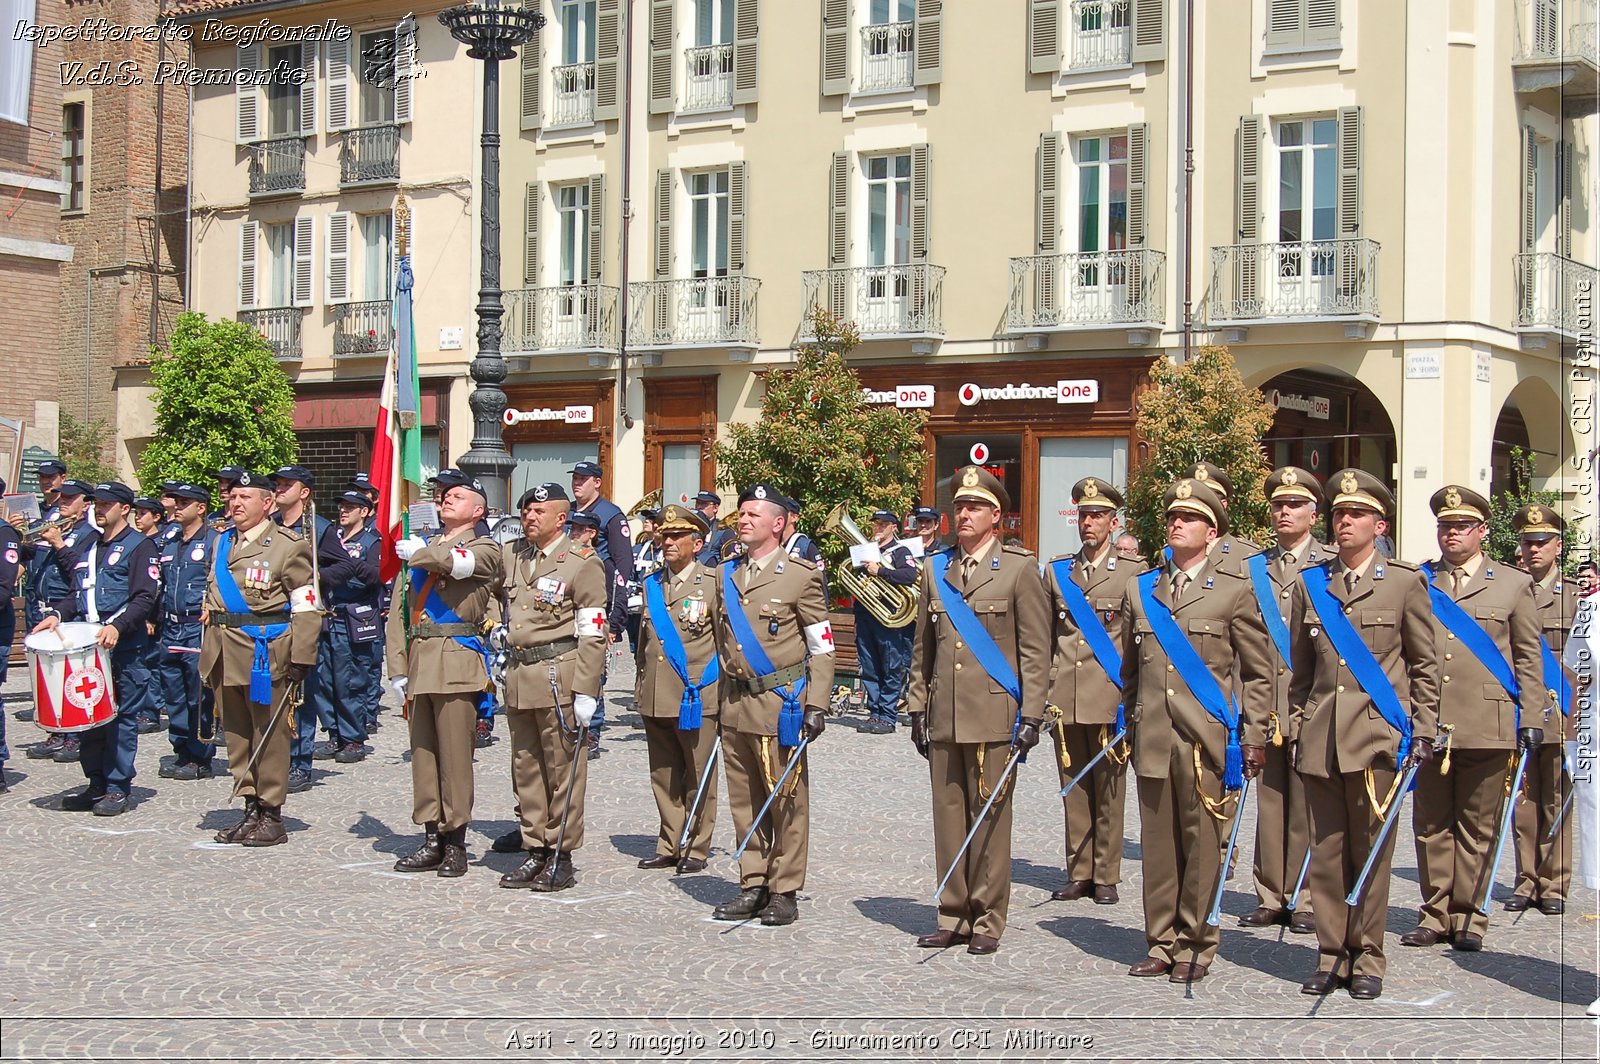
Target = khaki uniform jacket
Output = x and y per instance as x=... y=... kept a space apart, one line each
x=1231 y=552
x=1500 y=599
x=1338 y=726
x=693 y=603
x=788 y=611
x=1078 y=685
x=1222 y=621
x=1283 y=585
x=1557 y=606
x=963 y=704
x=268 y=572
x=443 y=666
x=562 y=596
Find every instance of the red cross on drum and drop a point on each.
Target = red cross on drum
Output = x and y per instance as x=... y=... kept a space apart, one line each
x=71 y=674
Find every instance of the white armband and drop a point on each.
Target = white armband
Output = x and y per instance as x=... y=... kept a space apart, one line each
x=591 y=624
x=819 y=638
x=462 y=563
x=303 y=599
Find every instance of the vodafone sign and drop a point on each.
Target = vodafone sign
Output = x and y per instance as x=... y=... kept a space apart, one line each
x=568 y=415
x=1079 y=391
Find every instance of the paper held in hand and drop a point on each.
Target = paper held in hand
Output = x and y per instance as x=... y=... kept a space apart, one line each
x=424 y=518
x=26 y=504
x=863 y=554
x=914 y=545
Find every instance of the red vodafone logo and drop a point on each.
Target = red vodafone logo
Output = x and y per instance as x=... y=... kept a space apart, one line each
x=969 y=394
x=979 y=453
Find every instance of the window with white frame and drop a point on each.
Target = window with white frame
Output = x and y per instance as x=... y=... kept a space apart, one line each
x=888 y=45
x=573 y=79
x=709 y=82
x=1102 y=163
x=572 y=210
x=376 y=232
x=713 y=22
x=888 y=209
x=577 y=31
x=1102 y=34
x=283 y=94
x=708 y=220
x=1307 y=188
x=280 y=264
x=377 y=73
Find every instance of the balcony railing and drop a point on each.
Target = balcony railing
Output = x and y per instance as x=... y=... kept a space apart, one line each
x=1555 y=294
x=279 y=327
x=370 y=154
x=883 y=301
x=278 y=166
x=696 y=312
x=574 y=95
x=709 y=84
x=1309 y=281
x=568 y=318
x=365 y=328
x=888 y=50
x=1088 y=289
x=1100 y=34
x=1554 y=30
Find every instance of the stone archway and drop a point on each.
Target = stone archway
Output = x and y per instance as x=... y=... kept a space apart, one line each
x=1327 y=420
x=1534 y=418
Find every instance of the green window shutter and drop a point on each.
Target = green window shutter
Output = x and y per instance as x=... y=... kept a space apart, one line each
x=1322 y=23
x=662 y=59
x=928 y=42
x=597 y=221
x=1044 y=36
x=248 y=234
x=663 y=255
x=1348 y=207
x=1148 y=31
x=1247 y=201
x=738 y=191
x=533 y=198
x=835 y=47
x=1138 y=178
x=1286 y=27
x=1047 y=198
x=920 y=204
x=530 y=63
x=607 y=60
x=746 y=50
x=839 y=210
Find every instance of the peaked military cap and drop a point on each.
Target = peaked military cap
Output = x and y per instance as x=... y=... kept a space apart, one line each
x=1537 y=522
x=1453 y=500
x=1357 y=487
x=1292 y=482
x=1092 y=493
x=1197 y=497
x=977 y=484
x=683 y=519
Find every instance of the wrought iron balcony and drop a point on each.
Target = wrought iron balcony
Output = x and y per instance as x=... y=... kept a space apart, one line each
x=1558 y=47
x=1100 y=35
x=1314 y=280
x=279 y=327
x=1555 y=294
x=888 y=53
x=1091 y=289
x=574 y=95
x=884 y=302
x=709 y=83
x=370 y=155
x=278 y=166
x=365 y=328
x=568 y=319
x=696 y=312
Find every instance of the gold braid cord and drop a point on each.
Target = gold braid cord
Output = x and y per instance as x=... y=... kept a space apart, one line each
x=1511 y=772
x=1218 y=808
x=767 y=769
x=1274 y=727
x=1449 y=742
x=1056 y=719
x=1381 y=809
x=1119 y=753
x=983 y=792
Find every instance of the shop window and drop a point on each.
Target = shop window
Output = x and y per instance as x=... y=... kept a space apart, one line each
x=1000 y=454
x=1063 y=461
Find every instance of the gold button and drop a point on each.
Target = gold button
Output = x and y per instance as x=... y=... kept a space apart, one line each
x=739 y=647
x=1280 y=670
x=1169 y=668
x=1170 y=692
x=1341 y=662
x=1449 y=657
x=1077 y=664
x=1081 y=643
x=960 y=645
x=1447 y=679
x=1450 y=635
x=660 y=657
x=1341 y=688
x=519 y=627
x=1347 y=610
x=958 y=666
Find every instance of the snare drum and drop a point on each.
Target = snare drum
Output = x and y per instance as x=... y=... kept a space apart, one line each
x=72 y=689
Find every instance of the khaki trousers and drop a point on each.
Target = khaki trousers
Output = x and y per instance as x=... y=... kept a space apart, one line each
x=1454 y=817
x=1283 y=826
x=1094 y=810
x=978 y=896
x=246 y=726
x=1344 y=826
x=541 y=764
x=677 y=761
x=1544 y=867
x=1182 y=847
x=443 y=736
x=776 y=856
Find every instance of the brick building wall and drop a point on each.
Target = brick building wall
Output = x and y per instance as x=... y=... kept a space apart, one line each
x=31 y=255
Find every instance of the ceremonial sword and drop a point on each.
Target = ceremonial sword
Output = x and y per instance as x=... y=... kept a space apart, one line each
x=699 y=793
x=755 y=824
x=999 y=787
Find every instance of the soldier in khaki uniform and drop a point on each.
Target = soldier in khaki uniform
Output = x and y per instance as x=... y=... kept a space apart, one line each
x=1179 y=748
x=1282 y=822
x=1455 y=813
x=269 y=570
x=784 y=608
x=687 y=592
x=1089 y=698
x=1347 y=753
x=554 y=599
x=1544 y=865
x=963 y=720
x=441 y=670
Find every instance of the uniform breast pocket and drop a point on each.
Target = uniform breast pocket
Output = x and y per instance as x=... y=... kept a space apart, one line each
x=1378 y=628
x=771 y=619
x=1210 y=635
x=1504 y=709
x=1491 y=619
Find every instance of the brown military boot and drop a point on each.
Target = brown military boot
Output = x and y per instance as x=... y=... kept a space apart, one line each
x=453 y=861
x=269 y=829
x=247 y=825
x=426 y=857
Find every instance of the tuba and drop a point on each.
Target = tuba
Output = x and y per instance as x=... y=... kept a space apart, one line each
x=651 y=501
x=890 y=605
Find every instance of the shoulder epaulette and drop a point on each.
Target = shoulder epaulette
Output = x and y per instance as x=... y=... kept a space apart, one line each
x=583 y=552
x=1396 y=563
x=1016 y=548
x=290 y=534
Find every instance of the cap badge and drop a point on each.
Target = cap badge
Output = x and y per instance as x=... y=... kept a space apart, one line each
x=1452 y=498
x=541 y=493
x=1091 y=490
x=1535 y=515
x=1183 y=490
x=1200 y=472
x=760 y=493
x=1348 y=484
x=1289 y=478
x=969 y=479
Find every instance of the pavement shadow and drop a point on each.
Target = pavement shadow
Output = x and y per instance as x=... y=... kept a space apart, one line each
x=906 y=915
x=1108 y=941
x=1045 y=877
x=706 y=887
x=384 y=839
x=636 y=846
x=1289 y=959
x=1539 y=976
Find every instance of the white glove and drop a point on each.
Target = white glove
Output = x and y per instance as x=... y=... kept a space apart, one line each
x=1572 y=755
x=583 y=706
x=397 y=684
x=408 y=546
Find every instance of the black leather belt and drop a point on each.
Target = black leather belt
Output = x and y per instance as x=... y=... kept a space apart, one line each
x=244 y=620
x=426 y=629
x=756 y=685
x=183 y=618
x=542 y=652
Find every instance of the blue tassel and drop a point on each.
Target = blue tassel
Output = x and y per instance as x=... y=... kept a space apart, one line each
x=689 y=710
x=1233 y=766
x=261 y=676
x=789 y=720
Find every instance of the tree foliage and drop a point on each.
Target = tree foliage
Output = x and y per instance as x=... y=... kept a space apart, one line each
x=83 y=448
x=221 y=399
x=821 y=443
x=1502 y=540
x=1200 y=411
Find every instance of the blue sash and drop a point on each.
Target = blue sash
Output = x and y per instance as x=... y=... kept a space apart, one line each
x=791 y=715
x=1474 y=638
x=1093 y=631
x=233 y=599
x=439 y=613
x=976 y=636
x=1357 y=656
x=1196 y=676
x=689 y=708
x=1555 y=678
x=1279 y=631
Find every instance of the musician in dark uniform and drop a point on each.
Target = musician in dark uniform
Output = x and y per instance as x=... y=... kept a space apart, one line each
x=185 y=571
x=708 y=502
x=49 y=581
x=883 y=654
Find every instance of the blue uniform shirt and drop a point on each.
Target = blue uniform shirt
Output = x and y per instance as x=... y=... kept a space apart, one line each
x=185 y=568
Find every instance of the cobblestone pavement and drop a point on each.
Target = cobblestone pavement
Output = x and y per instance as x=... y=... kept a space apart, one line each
x=137 y=939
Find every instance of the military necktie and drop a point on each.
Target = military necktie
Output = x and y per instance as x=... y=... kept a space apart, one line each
x=1458 y=580
x=969 y=565
x=1286 y=563
x=1180 y=581
x=1350 y=579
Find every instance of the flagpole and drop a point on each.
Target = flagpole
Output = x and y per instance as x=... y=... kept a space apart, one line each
x=403 y=240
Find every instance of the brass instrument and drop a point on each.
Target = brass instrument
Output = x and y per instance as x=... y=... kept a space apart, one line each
x=890 y=605
x=651 y=501
x=34 y=533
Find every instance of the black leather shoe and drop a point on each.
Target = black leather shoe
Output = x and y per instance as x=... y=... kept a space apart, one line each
x=1321 y=983
x=510 y=842
x=424 y=858
x=81 y=802
x=1302 y=922
x=876 y=726
x=1075 y=889
x=1264 y=916
x=147 y=725
x=943 y=939
x=453 y=859
x=1518 y=903
x=169 y=770
x=1467 y=942
x=1421 y=936
x=24 y=714
x=747 y=904
x=115 y=803
x=299 y=780
x=484 y=737
x=1552 y=906
x=1365 y=987
x=350 y=753
x=780 y=910
x=659 y=861
x=983 y=945
x=1105 y=894
x=690 y=865
x=557 y=874
x=46 y=750
x=324 y=750
x=522 y=877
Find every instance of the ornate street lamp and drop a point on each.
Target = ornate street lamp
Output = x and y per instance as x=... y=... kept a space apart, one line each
x=493 y=34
